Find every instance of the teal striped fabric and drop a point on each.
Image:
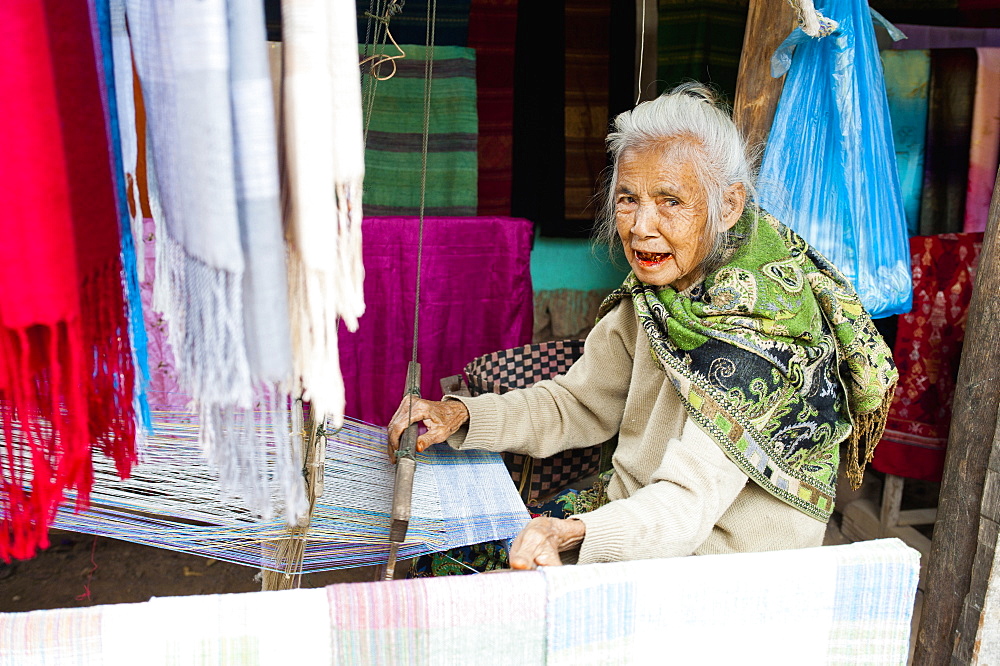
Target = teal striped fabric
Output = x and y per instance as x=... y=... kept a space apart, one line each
x=907 y=80
x=393 y=160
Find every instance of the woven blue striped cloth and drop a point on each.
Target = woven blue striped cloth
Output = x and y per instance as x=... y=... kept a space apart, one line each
x=831 y=605
x=460 y=498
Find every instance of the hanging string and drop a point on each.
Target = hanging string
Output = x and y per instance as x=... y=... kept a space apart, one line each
x=379 y=12
x=642 y=51
x=428 y=76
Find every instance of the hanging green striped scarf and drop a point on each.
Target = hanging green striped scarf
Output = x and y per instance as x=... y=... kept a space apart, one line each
x=776 y=359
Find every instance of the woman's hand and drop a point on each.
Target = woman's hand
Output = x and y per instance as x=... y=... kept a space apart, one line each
x=541 y=541
x=442 y=420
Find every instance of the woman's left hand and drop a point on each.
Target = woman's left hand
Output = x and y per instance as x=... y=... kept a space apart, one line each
x=541 y=541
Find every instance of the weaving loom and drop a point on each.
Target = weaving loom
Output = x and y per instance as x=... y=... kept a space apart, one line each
x=164 y=505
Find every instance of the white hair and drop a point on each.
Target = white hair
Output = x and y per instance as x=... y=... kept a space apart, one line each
x=687 y=121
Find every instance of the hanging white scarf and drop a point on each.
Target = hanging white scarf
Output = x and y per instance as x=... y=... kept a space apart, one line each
x=220 y=275
x=324 y=158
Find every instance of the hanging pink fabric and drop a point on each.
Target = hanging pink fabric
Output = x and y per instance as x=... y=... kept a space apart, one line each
x=475 y=299
x=945 y=37
x=985 y=147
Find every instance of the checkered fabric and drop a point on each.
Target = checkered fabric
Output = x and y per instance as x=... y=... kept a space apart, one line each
x=521 y=367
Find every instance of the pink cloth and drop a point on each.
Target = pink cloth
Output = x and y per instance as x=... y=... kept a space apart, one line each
x=475 y=298
x=164 y=386
x=985 y=147
x=945 y=37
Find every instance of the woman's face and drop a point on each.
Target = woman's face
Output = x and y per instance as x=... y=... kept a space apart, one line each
x=661 y=211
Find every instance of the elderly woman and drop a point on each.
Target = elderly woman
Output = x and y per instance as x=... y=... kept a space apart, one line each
x=733 y=363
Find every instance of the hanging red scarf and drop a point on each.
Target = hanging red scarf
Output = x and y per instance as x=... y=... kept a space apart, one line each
x=65 y=362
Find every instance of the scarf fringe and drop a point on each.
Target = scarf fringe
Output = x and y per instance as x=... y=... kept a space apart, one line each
x=46 y=447
x=204 y=308
x=314 y=337
x=320 y=296
x=237 y=441
x=865 y=436
x=111 y=398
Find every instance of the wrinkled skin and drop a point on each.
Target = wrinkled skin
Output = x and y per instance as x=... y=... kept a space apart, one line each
x=661 y=211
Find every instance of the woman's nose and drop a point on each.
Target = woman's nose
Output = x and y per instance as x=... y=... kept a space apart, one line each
x=645 y=221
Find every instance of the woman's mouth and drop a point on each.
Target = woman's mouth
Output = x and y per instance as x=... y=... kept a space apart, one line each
x=650 y=259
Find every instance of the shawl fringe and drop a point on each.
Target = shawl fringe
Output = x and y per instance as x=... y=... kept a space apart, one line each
x=111 y=399
x=204 y=308
x=319 y=297
x=866 y=434
x=46 y=443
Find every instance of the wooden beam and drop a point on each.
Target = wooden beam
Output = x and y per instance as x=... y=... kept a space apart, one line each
x=972 y=438
x=986 y=647
x=757 y=93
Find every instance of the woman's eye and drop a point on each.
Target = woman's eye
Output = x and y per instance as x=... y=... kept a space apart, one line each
x=626 y=200
x=671 y=202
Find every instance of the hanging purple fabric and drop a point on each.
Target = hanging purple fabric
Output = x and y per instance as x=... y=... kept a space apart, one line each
x=475 y=298
x=941 y=37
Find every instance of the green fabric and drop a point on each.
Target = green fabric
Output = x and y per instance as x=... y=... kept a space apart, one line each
x=700 y=40
x=393 y=150
x=774 y=357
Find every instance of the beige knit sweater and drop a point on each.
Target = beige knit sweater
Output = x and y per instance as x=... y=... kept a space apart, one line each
x=674 y=491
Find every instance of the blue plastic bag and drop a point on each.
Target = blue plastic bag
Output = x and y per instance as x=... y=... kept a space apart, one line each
x=829 y=170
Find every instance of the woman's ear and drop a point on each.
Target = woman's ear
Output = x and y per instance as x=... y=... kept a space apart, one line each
x=734 y=200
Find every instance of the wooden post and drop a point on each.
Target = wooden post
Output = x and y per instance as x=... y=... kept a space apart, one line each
x=957 y=575
x=757 y=93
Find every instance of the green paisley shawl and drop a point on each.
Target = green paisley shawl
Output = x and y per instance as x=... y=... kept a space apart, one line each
x=775 y=358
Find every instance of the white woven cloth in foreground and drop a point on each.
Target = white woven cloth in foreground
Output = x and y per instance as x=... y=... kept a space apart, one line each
x=833 y=605
x=291 y=627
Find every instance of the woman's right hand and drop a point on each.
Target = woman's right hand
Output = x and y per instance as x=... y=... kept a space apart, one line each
x=442 y=419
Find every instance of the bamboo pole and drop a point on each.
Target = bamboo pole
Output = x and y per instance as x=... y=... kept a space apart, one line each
x=757 y=92
x=953 y=582
x=286 y=555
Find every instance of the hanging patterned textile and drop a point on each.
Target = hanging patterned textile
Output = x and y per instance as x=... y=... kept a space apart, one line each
x=984 y=153
x=907 y=77
x=586 y=102
x=492 y=31
x=702 y=41
x=829 y=171
x=946 y=37
x=213 y=184
x=324 y=168
x=409 y=26
x=927 y=352
x=66 y=374
x=949 y=132
x=393 y=152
